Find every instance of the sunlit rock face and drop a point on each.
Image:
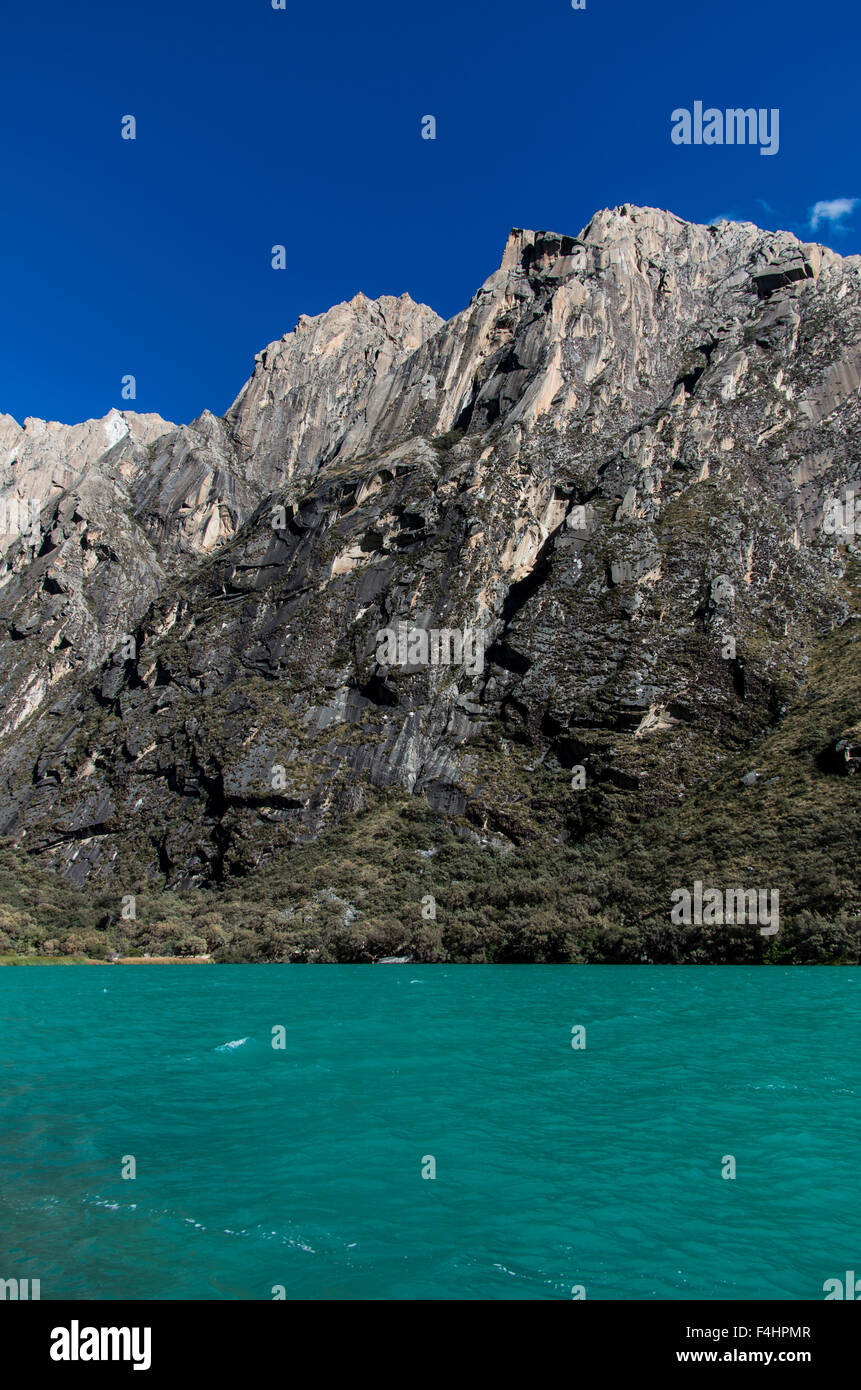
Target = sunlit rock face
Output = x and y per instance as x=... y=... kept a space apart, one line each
x=615 y=466
x=309 y=390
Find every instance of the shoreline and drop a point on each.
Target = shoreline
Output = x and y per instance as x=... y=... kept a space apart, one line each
x=13 y=960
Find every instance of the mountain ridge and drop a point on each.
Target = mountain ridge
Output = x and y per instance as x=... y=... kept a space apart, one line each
x=615 y=464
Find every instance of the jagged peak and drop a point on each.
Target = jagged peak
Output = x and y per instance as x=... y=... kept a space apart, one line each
x=607 y=224
x=616 y=224
x=133 y=420
x=653 y=230
x=361 y=306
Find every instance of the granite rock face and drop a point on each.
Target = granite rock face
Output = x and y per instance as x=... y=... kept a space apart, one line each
x=122 y=503
x=309 y=390
x=614 y=467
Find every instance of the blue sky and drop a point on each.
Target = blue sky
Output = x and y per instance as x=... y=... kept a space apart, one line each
x=302 y=127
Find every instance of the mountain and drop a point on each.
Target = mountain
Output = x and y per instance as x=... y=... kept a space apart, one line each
x=623 y=476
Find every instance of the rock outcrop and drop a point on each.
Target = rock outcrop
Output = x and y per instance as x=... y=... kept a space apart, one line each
x=614 y=466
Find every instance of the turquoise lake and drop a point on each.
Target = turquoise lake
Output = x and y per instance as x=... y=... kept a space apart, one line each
x=555 y=1168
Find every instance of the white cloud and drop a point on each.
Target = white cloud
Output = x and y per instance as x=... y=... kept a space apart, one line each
x=832 y=210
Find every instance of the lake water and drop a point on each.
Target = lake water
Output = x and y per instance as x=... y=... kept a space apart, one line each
x=556 y=1167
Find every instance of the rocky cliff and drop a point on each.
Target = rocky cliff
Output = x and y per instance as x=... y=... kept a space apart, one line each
x=617 y=468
